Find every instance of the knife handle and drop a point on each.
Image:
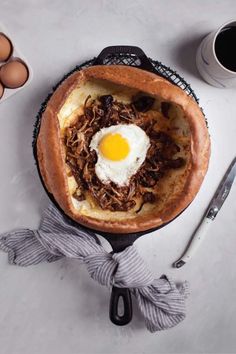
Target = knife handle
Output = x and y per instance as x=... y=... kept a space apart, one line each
x=195 y=242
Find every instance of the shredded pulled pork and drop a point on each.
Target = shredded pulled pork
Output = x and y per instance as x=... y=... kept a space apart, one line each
x=104 y=112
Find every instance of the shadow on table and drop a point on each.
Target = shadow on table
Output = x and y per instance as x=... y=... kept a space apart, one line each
x=184 y=54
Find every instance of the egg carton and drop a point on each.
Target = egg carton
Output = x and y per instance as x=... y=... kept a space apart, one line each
x=16 y=54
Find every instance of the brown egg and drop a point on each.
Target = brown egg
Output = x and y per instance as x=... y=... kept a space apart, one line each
x=1 y=90
x=14 y=74
x=5 y=47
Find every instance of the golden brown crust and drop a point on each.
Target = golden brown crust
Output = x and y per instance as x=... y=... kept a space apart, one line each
x=51 y=154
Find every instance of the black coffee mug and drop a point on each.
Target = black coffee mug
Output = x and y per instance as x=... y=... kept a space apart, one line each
x=216 y=56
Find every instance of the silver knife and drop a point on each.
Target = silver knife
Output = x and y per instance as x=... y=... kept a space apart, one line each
x=215 y=205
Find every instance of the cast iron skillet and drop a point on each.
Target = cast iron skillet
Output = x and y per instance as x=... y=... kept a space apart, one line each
x=118 y=242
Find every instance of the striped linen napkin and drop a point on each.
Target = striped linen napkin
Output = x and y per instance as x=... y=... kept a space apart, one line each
x=161 y=303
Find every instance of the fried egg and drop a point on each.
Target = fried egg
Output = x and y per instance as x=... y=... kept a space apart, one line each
x=121 y=149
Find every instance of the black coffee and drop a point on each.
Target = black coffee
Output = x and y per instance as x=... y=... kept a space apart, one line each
x=225 y=47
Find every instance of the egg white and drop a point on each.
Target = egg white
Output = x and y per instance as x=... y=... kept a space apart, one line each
x=121 y=171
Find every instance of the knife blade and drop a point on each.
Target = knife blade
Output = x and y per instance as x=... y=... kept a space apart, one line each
x=222 y=191
x=215 y=205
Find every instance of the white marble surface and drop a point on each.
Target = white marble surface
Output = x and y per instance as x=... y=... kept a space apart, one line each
x=57 y=308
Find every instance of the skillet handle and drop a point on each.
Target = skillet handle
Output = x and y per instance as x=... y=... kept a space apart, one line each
x=118 y=244
x=140 y=59
x=116 y=295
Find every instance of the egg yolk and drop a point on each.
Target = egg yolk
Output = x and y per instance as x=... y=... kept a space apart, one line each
x=114 y=147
